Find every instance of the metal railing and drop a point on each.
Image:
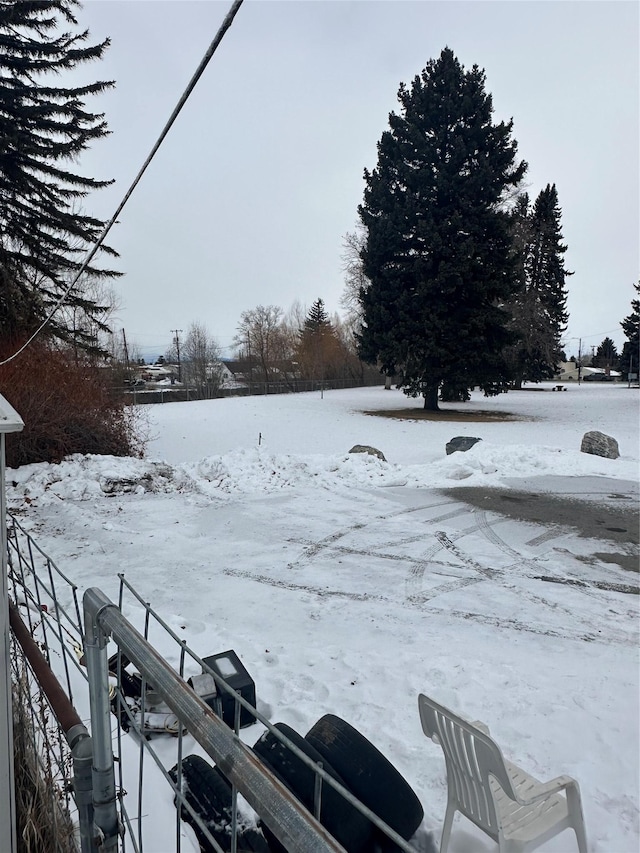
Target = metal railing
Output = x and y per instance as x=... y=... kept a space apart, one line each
x=197 y=719
x=113 y=806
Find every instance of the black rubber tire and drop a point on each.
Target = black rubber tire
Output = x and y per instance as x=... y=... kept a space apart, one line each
x=252 y=840
x=208 y=792
x=347 y=825
x=371 y=777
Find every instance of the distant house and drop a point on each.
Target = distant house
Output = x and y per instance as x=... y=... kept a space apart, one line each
x=598 y=374
x=235 y=373
x=228 y=377
x=246 y=371
x=568 y=372
x=156 y=372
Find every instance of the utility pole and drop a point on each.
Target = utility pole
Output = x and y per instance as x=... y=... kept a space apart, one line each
x=126 y=354
x=177 y=343
x=579 y=359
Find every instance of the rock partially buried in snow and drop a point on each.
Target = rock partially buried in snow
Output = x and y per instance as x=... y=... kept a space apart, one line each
x=462 y=443
x=599 y=444
x=364 y=448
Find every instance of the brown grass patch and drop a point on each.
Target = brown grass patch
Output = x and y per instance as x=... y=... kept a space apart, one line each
x=43 y=822
x=449 y=415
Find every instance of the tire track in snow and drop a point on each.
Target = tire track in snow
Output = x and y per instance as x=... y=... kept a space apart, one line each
x=493 y=621
x=321 y=592
x=532 y=565
x=446 y=541
x=413 y=583
x=315 y=548
x=547 y=536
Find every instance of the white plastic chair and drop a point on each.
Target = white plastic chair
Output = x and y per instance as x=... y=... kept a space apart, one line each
x=517 y=811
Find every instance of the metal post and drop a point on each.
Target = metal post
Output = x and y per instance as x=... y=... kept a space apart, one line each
x=82 y=753
x=10 y=421
x=104 y=785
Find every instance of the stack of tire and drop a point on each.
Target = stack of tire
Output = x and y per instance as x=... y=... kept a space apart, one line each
x=208 y=791
x=345 y=755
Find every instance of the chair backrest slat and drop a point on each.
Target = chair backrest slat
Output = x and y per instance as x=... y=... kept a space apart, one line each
x=471 y=757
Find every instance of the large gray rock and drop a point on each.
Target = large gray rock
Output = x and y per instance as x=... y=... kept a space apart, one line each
x=462 y=443
x=599 y=444
x=364 y=448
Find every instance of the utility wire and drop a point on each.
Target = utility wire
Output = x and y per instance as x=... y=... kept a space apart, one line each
x=174 y=115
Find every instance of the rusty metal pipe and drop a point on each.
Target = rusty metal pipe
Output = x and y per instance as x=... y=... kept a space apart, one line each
x=69 y=721
x=65 y=713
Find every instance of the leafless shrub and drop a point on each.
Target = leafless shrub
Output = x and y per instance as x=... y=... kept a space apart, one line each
x=68 y=405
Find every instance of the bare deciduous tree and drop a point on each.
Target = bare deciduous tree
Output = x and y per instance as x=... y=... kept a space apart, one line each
x=260 y=338
x=201 y=367
x=355 y=281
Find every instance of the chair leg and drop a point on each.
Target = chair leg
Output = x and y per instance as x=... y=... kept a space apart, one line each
x=581 y=836
x=446 y=829
x=574 y=805
x=510 y=847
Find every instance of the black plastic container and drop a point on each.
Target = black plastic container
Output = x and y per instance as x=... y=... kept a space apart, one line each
x=228 y=666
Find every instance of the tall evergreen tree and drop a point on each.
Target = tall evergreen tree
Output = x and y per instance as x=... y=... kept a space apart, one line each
x=317 y=320
x=44 y=127
x=318 y=343
x=539 y=307
x=630 y=356
x=606 y=355
x=438 y=252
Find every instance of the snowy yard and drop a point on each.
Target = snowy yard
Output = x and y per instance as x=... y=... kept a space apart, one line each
x=348 y=585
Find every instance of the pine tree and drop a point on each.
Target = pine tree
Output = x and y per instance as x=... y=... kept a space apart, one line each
x=44 y=127
x=438 y=252
x=318 y=345
x=539 y=307
x=317 y=320
x=630 y=356
x=606 y=355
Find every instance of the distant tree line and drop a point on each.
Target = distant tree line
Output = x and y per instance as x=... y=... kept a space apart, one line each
x=271 y=347
x=298 y=345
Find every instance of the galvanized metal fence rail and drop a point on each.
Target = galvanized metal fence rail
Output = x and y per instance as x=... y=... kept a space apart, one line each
x=128 y=765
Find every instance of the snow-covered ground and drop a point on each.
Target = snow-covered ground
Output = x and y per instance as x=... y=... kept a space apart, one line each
x=348 y=585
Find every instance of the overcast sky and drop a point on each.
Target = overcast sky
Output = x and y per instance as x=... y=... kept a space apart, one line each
x=249 y=198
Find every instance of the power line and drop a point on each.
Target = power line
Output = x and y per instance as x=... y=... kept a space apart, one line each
x=606 y=332
x=228 y=20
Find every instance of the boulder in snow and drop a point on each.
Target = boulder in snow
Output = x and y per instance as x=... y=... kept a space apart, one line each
x=364 y=448
x=600 y=444
x=462 y=443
